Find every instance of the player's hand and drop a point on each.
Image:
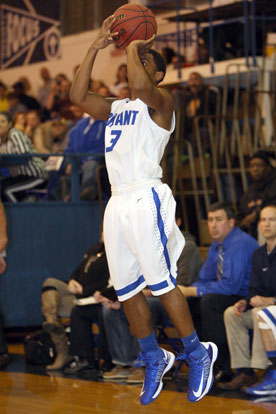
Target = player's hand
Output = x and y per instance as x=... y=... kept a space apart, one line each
x=75 y=287
x=105 y=37
x=239 y=307
x=143 y=46
x=3 y=265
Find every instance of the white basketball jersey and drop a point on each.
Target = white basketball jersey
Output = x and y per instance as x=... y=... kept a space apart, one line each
x=134 y=143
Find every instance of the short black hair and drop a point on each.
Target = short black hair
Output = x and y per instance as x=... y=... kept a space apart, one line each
x=159 y=62
x=220 y=205
x=263 y=156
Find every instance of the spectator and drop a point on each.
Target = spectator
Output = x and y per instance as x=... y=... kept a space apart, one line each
x=103 y=91
x=14 y=105
x=261 y=192
x=58 y=103
x=27 y=100
x=36 y=132
x=168 y=54
x=124 y=92
x=223 y=280
x=121 y=80
x=20 y=121
x=82 y=337
x=243 y=316
x=95 y=84
x=3 y=97
x=87 y=136
x=44 y=90
x=5 y=358
x=197 y=99
x=26 y=83
x=23 y=176
x=56 y=134
x=58 y=300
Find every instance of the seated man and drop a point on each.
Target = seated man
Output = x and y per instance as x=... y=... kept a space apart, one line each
x=261 y=192
x=58 y=297
x=223 y=280
x=243 y=316
x=82 y=338
x=123 y=346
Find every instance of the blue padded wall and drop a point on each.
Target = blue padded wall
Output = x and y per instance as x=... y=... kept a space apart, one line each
x=45 y=240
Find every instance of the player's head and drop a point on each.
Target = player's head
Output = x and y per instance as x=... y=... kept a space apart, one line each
x=154 y=65
x=221 y=220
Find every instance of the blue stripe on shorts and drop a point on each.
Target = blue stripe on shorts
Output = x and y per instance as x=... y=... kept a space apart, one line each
x=163 y=237
x=130 y=287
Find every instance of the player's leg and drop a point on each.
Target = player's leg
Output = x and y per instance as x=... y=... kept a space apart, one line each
x=156 y=360
x=200 y=356
x=267 y=326
x=165 y=242
x=128 y=281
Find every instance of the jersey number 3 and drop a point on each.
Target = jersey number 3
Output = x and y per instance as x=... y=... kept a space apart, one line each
x=113 y=141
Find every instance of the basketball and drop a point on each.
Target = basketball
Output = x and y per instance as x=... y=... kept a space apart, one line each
x=133 y=22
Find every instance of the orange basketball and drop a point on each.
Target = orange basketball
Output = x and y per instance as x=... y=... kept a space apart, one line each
x=133 y=22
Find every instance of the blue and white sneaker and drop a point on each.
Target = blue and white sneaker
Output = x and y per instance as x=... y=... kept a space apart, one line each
x=201 y=375
x=155 y=370
x=266 y=387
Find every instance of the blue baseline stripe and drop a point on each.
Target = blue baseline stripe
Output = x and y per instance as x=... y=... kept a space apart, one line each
x=160 y=223
x=130 y=287
x=271 y=317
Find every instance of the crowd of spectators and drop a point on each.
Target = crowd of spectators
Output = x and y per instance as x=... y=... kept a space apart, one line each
x=51 y=124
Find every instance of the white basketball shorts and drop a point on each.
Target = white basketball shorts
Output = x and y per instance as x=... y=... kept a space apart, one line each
x=142 y=240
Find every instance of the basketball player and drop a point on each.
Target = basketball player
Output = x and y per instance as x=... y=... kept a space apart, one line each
x=142 y=239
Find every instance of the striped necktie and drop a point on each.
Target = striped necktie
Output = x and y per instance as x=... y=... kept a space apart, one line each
x=220 y=262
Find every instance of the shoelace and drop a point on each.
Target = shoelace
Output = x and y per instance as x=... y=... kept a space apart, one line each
x=195 y=363
x=152 y=373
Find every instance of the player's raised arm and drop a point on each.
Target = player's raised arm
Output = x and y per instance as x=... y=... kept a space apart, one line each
x=90 y=102
x=145 y=70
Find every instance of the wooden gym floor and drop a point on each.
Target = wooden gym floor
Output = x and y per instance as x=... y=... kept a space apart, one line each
x=26 y=389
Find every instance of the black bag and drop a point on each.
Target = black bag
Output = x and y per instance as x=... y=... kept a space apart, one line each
x=39 y=348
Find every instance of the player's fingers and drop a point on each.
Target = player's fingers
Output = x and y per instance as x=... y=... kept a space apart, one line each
x=109 y=21
x=151 y=39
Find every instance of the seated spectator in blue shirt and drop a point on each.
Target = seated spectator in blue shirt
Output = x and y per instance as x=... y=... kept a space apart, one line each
x=223 y=280
x=87 y=136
